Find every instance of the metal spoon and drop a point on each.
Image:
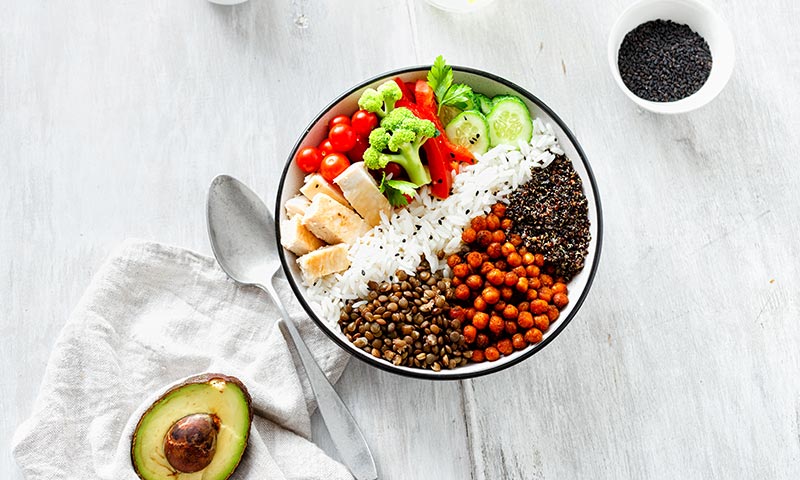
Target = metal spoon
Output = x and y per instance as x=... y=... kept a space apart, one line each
x=242 y=234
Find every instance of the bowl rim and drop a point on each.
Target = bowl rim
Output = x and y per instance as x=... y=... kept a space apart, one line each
x=422 y=373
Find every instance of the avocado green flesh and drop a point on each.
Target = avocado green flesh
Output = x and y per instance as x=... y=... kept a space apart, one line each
x=223 y=399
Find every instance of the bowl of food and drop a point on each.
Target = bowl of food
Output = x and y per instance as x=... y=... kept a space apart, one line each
x=670 y=56
x=439 y=222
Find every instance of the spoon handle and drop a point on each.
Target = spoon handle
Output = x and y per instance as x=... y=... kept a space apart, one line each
x=341 y=425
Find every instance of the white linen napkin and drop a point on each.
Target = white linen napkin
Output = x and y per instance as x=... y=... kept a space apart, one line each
x=152 y=316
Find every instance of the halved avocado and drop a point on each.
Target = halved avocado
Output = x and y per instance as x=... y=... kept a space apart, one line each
x=198 y=429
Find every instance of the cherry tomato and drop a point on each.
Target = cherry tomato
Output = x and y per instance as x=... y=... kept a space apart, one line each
x=356 y=154
x=339 y=120
x=325 y=148
x=342 y=137
x=364 y=122
x=333 y=165
x=308 y=159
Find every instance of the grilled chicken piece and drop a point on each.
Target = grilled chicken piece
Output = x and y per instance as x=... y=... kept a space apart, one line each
x=296 y=238
x=296 y=206
x=324 y=261
x=316 y=184
x=329 y=220
x=361 y=190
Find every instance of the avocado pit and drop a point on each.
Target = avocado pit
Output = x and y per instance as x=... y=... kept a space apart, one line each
x=191 y=442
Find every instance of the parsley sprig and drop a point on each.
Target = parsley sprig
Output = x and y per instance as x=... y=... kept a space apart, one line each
x=440 y=78
x=396 y=190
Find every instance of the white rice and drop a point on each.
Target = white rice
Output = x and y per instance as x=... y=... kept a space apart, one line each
x=428 y=225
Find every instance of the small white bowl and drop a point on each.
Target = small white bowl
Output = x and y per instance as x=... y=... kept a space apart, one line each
x=700 y=18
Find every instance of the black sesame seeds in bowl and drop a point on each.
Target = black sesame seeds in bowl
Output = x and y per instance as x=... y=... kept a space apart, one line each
x=670 y=56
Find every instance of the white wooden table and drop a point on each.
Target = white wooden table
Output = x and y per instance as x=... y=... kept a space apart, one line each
x=685 y=359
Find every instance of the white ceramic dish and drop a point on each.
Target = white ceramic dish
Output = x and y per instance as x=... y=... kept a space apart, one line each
x=292 y=179
x=700 y=18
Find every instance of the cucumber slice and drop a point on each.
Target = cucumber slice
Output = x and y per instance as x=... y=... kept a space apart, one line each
x=470 y=130
x=483 y=103
x=509 y=121
x=447 y=113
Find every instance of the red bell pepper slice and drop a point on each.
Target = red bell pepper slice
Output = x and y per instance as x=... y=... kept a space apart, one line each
x=408 y=94
x=440 y=168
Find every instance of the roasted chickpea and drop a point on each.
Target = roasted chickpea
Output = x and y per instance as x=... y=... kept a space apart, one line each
x=470 y=313
x=495 y=277
x=559 y=287
x=539 y=307
x=522 y=250
x=552 y=313
x=462 y=292
x=455 y=281
x=468 y=235
x=492 y=222
x=484 y=257
x=470 y=333
x=538 y=260
x=510 y=312
x=478 y=356
x=514 y=260
x=511 y=328
x=533 y=270
x=534 y=335
x=461 y=270
x=545 y=293
x=453 y=260
x=499 y=306
x=546 y=279
x=492 y=354
x=479 y=304
x=494 y=250
x=534 y=282
x=525 y=320
x=505 y=346
x=499 y=236
x=531 y=294
x=491 y=295
x=560 y=300
x=484 y=238
x=499 y=209
x=510 y=279
x=522 y=285
x=508 y=248
x=480 y=320
x=518 y=341
x=478 y=223
x=527 y=259
x=486 y=268
x=474 y=282
x=501 y=264
x=520 y=271
x=524 y=306
x=506 y=293
x=482 y=340
x=515 y=240
x=457 y=313
x=474 y=259
x=496 y=324
x=542 y=322
x=506 y=224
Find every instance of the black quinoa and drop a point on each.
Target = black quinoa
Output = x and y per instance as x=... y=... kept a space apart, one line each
x=663 y=61
x=551 y=214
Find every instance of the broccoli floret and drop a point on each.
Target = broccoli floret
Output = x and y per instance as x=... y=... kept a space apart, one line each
x=381 y=101
x=402 y=134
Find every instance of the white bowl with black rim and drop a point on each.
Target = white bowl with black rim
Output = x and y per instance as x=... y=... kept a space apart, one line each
x=491 y=85
x=701 y=19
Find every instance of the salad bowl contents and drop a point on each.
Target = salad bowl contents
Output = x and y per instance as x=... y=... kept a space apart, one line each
x=439 y=222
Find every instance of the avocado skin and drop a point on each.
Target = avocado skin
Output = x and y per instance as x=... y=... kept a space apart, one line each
x=201 y=378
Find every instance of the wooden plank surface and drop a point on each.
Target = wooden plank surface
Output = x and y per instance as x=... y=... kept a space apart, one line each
x=684 y=361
